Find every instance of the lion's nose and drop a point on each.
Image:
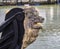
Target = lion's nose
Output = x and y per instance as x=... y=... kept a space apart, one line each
x=42 y=19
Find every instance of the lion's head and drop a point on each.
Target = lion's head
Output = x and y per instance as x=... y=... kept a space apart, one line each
x=32 y=24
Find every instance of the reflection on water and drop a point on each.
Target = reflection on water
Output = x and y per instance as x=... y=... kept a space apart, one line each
x=49 y=37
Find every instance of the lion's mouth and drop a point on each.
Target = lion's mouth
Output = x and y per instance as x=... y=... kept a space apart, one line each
x=38 y=26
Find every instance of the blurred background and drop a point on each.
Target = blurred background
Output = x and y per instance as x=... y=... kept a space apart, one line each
x=31 y=2
x=49 y=37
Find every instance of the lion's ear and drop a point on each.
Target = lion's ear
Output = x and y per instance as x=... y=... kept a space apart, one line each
x=26 y=10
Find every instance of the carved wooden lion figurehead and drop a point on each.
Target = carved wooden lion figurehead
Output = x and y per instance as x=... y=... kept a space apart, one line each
x=32 y=24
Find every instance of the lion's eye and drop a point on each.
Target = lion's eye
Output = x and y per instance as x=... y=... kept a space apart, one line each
x=29 y=17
